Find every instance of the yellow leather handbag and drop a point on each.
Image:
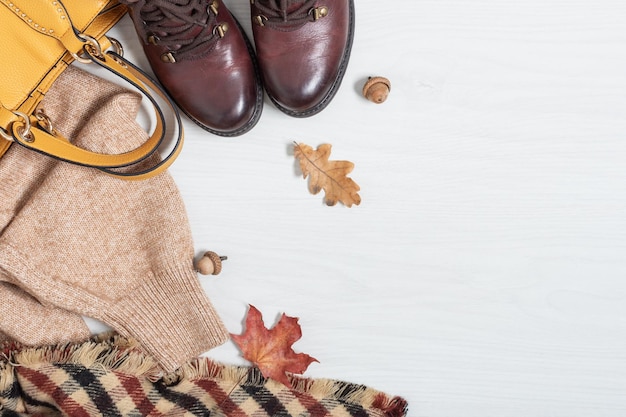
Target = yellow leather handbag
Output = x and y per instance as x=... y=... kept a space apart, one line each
x=39 y=39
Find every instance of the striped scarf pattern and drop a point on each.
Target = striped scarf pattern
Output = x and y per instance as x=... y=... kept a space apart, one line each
x=110 y=376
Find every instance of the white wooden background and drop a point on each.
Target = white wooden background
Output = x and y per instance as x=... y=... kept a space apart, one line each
x=484 y=272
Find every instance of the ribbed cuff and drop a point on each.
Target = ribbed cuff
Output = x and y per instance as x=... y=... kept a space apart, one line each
x=170 y=316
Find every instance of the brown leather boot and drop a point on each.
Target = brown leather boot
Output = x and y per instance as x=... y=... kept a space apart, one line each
x=203 y=58
x=303 y=48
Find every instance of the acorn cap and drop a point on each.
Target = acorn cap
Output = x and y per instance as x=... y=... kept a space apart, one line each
x=376 y=89
x=210 y=263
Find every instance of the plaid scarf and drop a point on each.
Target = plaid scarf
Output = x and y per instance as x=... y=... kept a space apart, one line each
x=110 y=376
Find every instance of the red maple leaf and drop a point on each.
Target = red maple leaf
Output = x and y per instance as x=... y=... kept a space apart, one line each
x=270 y=349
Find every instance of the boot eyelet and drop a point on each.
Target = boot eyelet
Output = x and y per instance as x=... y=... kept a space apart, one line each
x=260 y=20
x=220 y=30
x=153 y=39
x=318 y=12
x=213 y=7
x=168 y=57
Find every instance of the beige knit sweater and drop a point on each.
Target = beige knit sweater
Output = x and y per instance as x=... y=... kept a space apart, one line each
x=75 y=241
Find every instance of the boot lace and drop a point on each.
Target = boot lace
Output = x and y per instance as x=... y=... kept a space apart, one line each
x=280 y=14
x=187 y=28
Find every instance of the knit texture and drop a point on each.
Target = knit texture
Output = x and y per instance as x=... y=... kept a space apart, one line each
x=109 y=377
x=24 y=318
x=76 y=239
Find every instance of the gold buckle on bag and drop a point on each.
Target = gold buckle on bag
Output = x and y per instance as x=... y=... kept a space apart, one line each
x=43 y=120
x=23 y=132
x=92 y=48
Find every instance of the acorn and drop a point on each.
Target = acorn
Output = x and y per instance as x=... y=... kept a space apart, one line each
x=210 y=263
x=376 y=89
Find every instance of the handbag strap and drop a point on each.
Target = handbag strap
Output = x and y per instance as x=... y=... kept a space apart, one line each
x=39 y=139
x=115 y=63
x=30 y=133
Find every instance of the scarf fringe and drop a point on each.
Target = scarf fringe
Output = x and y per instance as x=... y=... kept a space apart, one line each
x=113 y=352
x=108 y=351
x=6 y=377
x=203 y=368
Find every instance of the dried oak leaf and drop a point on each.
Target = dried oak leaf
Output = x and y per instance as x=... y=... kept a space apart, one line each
x=270 y=349
x=330 y=176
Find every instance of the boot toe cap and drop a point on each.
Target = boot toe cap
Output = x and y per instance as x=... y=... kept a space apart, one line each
x=301 y=97
x=234 y=118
